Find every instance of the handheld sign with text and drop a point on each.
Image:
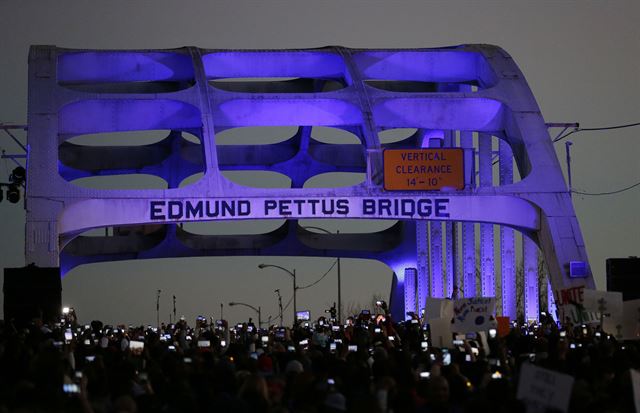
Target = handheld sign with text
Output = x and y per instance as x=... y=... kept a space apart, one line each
x=607 y=302
x=423 y=169
x=627 y=325
x=544 y=388
x=438 y=308
x=474 y=314
x=571 y=309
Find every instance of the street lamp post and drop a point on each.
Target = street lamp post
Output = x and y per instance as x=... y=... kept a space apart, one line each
x=257 y=310
x=339 y=273
x=295 y=286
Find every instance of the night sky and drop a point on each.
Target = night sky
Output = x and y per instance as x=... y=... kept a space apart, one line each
x=581 y=59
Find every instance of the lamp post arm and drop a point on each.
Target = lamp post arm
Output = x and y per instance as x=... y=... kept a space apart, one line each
x=244 y=304
x=277 y=266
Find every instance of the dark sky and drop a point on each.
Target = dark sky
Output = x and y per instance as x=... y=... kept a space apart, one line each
x=581 y=59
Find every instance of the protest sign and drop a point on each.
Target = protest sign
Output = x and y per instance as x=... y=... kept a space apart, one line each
x=438 y=308
x=473 y=314
x=503 y=326
x=441 y=335
x=570 y=305
x=545 y=388
x=626 y=326
x=607 y=302
x=635 y=383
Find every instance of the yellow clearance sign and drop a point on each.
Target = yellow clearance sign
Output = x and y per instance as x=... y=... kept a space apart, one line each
x=423 y=169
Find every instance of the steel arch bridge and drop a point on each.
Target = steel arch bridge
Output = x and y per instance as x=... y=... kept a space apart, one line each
x=472 y=97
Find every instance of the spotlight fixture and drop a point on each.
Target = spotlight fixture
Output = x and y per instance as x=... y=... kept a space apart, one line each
x=13 y=194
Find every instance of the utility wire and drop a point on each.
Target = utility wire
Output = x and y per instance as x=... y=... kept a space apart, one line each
x=321 y=278
x=310 y=285
x=578 y=129
x=288 y=304
x=270 y=316
x=607 y=193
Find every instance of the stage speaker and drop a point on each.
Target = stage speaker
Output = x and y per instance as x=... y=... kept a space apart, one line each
x=623 y=275
x=31 y=292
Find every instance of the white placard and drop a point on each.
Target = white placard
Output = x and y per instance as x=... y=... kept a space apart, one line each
x=607 y=302
x=635 y=383
x=474 y=314
x=626 y=326
x=570 y=305
x=441 y=335
x=438 y=308
x=543 y=387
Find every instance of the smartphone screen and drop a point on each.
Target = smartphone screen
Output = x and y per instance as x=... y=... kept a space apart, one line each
x=71 y=388
x=446 y=359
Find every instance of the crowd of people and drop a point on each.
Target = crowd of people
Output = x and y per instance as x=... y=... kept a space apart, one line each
x=368 y=364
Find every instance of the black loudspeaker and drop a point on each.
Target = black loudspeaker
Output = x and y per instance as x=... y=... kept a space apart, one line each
x=623 y=275
x=31 y=292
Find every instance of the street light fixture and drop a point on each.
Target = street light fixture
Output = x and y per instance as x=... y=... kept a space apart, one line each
x=257 y=310
x=339 y=273
x=295 y=287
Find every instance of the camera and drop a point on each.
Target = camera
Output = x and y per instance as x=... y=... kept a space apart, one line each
x=425 y=374
x=352 y=347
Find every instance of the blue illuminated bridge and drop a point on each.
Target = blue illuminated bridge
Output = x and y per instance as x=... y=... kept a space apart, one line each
x=341 y=107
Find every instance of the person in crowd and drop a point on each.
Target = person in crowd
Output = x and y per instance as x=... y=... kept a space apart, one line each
x=368 y=364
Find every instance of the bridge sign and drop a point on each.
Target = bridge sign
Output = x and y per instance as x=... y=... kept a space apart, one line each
x=423 y=169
